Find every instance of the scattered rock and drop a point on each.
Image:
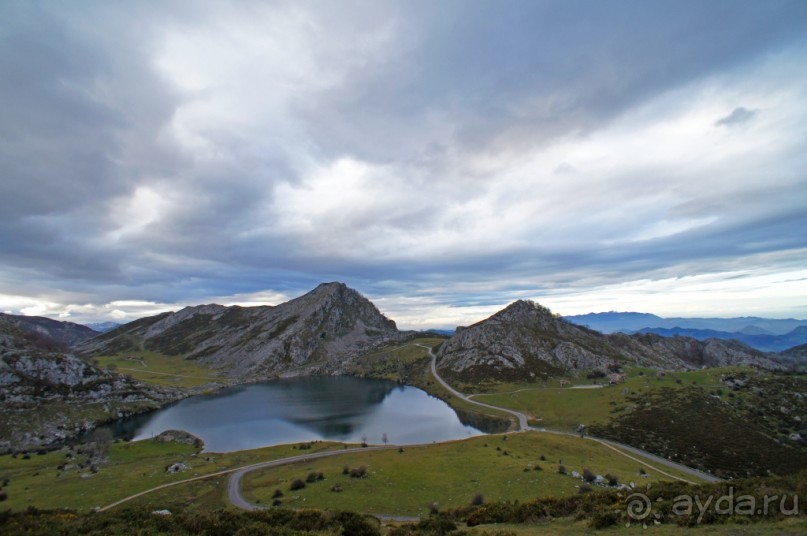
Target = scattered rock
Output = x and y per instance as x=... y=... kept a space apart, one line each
x=177 y=467
x=180 y=436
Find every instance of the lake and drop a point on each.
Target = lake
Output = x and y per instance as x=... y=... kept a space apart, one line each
x=304 y=409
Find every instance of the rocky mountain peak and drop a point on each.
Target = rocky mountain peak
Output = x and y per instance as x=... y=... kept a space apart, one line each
x=318 y=332
x=526 y=312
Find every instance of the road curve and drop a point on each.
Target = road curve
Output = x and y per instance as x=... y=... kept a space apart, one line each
x=522 y=419
x=614 y=445
x=234 y=483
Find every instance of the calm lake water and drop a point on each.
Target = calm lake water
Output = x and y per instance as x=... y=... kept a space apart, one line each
x=305 y=409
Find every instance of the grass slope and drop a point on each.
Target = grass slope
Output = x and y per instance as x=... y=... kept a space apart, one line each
x=160 y=369
x=500 y=467
x=131 y=467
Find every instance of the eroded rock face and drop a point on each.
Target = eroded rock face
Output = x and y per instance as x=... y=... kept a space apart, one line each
x=320 y=332
x=43 y=394
x=525 y=341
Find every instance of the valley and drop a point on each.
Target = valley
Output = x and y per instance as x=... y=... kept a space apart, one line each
x=639 y=398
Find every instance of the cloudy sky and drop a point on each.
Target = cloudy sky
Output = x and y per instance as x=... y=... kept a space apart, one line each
x=443 y=158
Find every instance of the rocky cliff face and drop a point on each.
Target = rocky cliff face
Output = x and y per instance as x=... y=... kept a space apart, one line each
x=526 y=341
x=320 y=332
x=520 y=342
x=45 y=331
x=46 y=395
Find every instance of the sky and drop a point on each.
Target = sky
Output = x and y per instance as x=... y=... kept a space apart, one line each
x=443 y=158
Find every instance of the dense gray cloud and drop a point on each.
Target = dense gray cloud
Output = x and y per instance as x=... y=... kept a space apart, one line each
x=444 y=158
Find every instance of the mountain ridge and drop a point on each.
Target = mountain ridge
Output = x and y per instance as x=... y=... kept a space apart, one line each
x=526 y=340
x=60 y=332
x=321 y=331
x=760 y=341
x=612 y=321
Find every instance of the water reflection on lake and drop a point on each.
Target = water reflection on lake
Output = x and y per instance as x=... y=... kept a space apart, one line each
x=305 y=409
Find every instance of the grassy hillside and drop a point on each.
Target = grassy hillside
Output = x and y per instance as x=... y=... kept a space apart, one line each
x=564 y=408
x=732 y=421
x=500 y=467
x=66 y=479
x=161 y=369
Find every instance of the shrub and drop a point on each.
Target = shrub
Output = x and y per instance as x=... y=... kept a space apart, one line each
x=435 y=525
x=613 y=480
x=358 y=472
x=312 y=477
x=604 y=519
x=346 y=470
x=588 y=476
x=277 y=494
x=434 y=508
x=543 y=458
x=562 y=469
x=277 y=502
x=477 y=500
x=584 y=488
x=537 y=468
x=296 y=484
x=3 y=496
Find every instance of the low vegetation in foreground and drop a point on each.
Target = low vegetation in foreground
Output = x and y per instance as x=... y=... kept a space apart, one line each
x=734 y=508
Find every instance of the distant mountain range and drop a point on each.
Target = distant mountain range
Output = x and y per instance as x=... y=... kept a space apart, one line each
x=631 y=322
x=765 y=334
x=763 y=342
x=103 y=327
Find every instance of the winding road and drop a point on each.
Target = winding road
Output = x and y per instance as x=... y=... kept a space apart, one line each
x=522 y=419
x=237 y=474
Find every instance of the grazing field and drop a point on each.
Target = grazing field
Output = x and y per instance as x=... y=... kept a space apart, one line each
x=65 y=478
x=564 y=408
x=499 y=467
x=152 y=367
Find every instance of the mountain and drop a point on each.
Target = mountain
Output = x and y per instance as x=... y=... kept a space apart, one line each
x=762 y=342
x=48 y=395
x=616 y=321
x=525 y=341
x=320 y=332
x=65 y=334
x=103 y=327
x=629 y=322
x=796 y=357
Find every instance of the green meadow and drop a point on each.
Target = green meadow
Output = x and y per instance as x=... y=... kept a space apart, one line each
x=159 y=369
x=499 y=467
